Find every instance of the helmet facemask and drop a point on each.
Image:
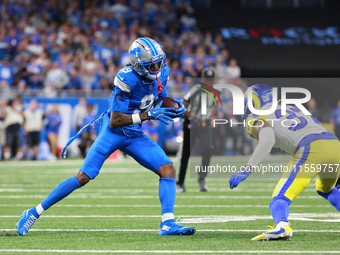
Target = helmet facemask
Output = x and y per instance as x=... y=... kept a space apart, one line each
x=150 y=69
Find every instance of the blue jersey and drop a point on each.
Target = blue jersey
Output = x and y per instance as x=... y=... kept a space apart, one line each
x=133 y=95
x=7 y=74
x=54 y=122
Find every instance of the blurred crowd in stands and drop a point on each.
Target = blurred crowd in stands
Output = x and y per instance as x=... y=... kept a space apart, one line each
x=63 y=48
x=56 y=48
x=51 y=48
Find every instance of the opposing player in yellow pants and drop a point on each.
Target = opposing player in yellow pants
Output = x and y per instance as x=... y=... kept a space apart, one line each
x=315 y=152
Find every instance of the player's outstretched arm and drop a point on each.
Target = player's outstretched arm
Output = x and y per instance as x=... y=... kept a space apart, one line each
x=266 y=136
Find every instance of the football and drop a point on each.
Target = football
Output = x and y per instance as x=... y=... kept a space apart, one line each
x=167 y=102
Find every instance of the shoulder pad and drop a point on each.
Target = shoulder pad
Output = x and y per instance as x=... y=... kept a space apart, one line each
x=166 y=72
x=125 y=79
x=165 y=75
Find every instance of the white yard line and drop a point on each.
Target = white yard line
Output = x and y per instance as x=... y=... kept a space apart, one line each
x=270 y=186
x=76 y=162
x=85 y=196
x=100 y=216
x=55 y=171
x=174 y=251
x=202 y=219
x=155 y=230
x=178 y=206
x=215 y=218
x=134 y=190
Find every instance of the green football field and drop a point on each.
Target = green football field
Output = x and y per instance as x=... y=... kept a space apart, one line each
x=119 y=213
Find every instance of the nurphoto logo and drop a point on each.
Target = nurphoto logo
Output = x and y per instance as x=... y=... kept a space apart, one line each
x=238 y=104
x=238 y=99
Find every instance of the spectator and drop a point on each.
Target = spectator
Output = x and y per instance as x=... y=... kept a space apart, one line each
x=3 y=44
x=56 y=78
x=218 y=42
x=22 y=73
x=188 y=21
x=221 y=68
x=233 y=71
x=3 y=106
x=89 y=135
x=50 y=91
x=79 y=114
x=52 y=130
x=225 y=55
x=325 y=112
x=33 y=126
x=313 y=109
x=335 y=119
x=43 y=60
x=7 y=72
x=119 y=9
x=13 y=120
x=5 y=89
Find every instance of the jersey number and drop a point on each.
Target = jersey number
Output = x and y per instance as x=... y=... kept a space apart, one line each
x=127 y=70
x=146 y=103
x=292 y=115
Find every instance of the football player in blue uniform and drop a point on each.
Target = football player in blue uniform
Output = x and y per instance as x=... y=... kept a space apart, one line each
x=135 y=88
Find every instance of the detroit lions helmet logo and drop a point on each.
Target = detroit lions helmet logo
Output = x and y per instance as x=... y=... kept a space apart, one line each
x=136 y=52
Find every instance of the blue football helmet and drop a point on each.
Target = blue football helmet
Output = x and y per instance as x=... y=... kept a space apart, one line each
x=147 y=57
x=262 y=95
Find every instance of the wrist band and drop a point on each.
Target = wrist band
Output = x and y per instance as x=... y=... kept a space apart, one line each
x=136 y=118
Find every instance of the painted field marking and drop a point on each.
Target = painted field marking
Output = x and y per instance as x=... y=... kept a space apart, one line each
x=175 y=251
x=200 y=219
x=133 y=184
x=222 y=217
x=132 y=190
x=85 y=196
x=155 y=230
x=158 y=206
x=57 y=171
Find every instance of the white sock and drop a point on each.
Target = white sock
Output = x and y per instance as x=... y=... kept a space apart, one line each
x=7 y=155
x=39 y=209
x=19 y=155
x=168 y=216
x=282 y=223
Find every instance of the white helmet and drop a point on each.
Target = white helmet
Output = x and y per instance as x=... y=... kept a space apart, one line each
x=147 y=57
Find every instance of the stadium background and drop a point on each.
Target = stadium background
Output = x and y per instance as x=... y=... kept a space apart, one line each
x=119 y=211
x=60 y=51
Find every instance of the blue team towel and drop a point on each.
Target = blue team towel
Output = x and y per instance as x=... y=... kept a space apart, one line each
x=64 y=150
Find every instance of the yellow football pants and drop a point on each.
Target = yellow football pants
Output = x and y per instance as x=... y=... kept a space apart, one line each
x=320 y=158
